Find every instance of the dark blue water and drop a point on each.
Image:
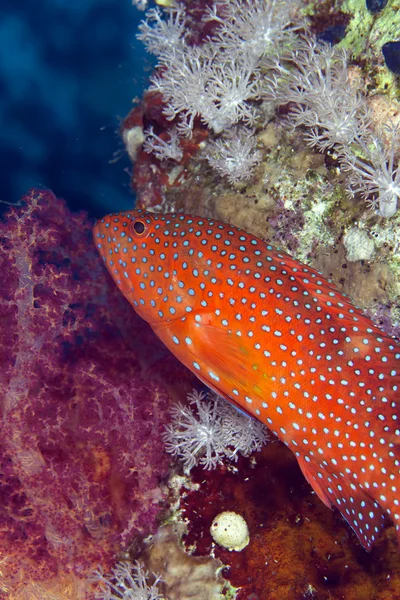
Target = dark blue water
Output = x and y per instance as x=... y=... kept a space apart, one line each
x=69 y=70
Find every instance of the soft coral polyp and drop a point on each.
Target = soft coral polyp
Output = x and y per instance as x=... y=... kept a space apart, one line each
x=81 y=452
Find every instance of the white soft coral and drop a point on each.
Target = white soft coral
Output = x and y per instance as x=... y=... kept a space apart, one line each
x=197 y=84
x=126 y=582
x=214 y=430
x=234 y=155
x=219 y=79
x=250 y=30
x=314 y=79
x=163 y=149
x=163 y=35
x=376 y=176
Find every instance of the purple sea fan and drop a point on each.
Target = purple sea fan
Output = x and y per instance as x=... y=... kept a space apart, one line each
x=81 y=454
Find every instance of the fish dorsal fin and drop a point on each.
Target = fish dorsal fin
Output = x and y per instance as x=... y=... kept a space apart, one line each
x=363 y=513
x=319 y=287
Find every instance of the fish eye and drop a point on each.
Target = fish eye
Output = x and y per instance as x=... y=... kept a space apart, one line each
x=139 y=227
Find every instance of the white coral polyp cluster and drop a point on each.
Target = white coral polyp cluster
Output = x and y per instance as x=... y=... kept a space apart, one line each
x=336 y=116
x=235 y=154
x=219 y=80
x=211 y=429
x=254 y=54
x=163 y=149
x=127 y=581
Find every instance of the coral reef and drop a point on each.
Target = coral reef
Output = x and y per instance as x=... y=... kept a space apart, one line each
x=295 y=196
x=82 y=414
x=184 y=576
x=127 y=582
x=276 y=187
x=298 y=549
x=253 y=53
x=87 y=389
x=367 y=33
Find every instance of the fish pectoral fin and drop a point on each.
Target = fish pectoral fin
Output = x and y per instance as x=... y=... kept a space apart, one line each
x=221 y=349
x=315 y=483
x=220 y=357
x=364 y=515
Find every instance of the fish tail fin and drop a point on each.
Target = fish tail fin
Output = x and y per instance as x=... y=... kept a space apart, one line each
x=390 y=496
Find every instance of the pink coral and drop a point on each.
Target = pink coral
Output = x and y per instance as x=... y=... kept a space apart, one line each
x=81 y=451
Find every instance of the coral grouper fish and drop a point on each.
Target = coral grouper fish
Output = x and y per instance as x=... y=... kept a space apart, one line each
x=274 y=337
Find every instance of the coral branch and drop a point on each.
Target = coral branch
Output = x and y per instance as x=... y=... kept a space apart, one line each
x=81 y=451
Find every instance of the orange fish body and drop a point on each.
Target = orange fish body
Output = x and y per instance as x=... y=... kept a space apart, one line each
x=274 y=337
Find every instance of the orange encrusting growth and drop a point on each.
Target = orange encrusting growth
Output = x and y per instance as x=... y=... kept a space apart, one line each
x=277 y=339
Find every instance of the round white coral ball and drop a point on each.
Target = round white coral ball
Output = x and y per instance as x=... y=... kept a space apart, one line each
x=230 y=531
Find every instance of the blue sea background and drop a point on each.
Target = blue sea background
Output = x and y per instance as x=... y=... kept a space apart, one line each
x=69 y=71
